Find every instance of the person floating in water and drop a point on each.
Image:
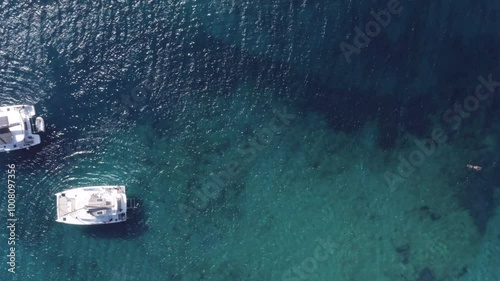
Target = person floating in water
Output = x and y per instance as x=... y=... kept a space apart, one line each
x=475 y=168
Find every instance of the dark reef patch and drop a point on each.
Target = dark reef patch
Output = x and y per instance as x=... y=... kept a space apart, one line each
x=427 y=212
x=404 y=253
x=426 y=274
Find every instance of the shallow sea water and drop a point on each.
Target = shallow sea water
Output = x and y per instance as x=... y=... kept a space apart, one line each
x=306 y=149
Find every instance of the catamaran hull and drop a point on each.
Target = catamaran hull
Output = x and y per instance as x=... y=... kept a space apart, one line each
x=92 y=205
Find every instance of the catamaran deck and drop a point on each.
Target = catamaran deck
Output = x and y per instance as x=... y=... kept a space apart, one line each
x=16 y=128
x=92 y=205
x=5 y=133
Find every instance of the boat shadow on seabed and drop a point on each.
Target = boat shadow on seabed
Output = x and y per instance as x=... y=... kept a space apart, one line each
x=134 y=227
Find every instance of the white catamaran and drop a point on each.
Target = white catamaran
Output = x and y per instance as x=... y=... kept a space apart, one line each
x=16 y=127
x=92 y=205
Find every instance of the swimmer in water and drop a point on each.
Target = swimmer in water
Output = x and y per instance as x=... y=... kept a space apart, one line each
x=475 y=168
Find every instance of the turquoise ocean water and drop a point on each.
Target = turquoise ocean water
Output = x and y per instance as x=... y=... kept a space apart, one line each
x=265 y=140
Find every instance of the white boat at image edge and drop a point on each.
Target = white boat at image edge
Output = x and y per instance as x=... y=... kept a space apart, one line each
x=16 y=127
x=92 y=205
